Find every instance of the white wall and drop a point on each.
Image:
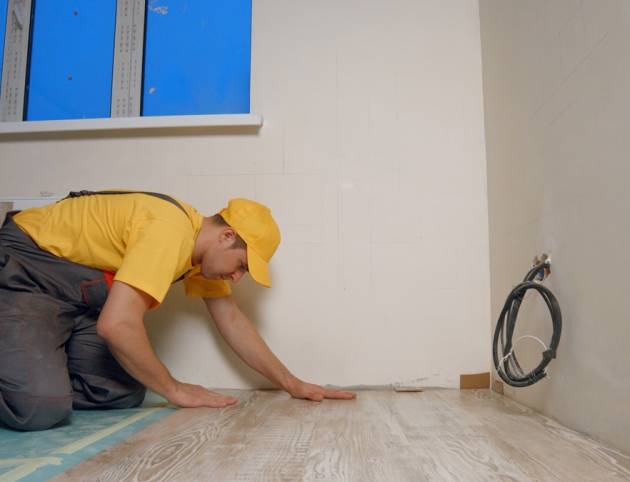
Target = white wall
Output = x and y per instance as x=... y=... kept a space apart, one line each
x=556 y=77
x=372 y=158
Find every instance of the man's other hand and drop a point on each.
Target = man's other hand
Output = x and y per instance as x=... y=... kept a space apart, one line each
x=317 y=393
x=186 y=395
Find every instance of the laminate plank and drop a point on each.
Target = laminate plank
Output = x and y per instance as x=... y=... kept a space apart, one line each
x=164 y=450
x=448 y=443
x=384 y=435
x=542 y=447
x=270 y=443
x=355 y=441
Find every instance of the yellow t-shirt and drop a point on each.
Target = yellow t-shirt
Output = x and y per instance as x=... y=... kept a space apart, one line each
x=145 y=240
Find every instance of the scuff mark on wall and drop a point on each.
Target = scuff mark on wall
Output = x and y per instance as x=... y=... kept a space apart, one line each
x=415 y=385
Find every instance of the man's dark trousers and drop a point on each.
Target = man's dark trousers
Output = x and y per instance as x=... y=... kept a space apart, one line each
x=51 y=358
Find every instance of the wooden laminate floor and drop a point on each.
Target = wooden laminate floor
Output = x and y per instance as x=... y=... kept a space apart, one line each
x=382 y=436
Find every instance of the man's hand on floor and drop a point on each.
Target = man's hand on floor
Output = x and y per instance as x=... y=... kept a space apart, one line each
x=317 y=393
x=186 y=395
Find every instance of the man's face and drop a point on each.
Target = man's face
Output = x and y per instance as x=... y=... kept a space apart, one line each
x=224 y=262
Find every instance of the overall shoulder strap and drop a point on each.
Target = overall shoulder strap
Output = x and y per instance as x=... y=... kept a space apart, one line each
x=165 y=197
x=73 y=194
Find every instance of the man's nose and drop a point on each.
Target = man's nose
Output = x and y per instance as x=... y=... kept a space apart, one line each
x=236 y=276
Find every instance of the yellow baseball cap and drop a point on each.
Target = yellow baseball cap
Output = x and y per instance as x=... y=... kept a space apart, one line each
x=253 y=222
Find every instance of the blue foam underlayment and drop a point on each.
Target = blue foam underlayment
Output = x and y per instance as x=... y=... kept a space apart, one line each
x=27 y=446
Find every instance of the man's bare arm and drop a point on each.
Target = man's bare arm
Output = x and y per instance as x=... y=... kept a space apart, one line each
x=121 y=324
x=241 y=335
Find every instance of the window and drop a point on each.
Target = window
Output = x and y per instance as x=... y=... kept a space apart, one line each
x=106 y=59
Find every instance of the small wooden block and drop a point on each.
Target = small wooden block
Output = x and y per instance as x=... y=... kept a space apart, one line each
x=476 y=380
x=497 y=386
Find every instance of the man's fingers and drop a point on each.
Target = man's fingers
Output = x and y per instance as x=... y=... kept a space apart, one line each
x=220 y=403
x=191 y=396
x=339 y=394
x=216 y=400
x=318 y=393
x=223 y=401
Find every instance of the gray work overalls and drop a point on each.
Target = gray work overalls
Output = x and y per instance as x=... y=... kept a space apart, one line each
x=51 y=358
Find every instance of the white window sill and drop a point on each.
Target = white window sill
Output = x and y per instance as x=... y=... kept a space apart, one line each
x=19 y=203
x=125 y=123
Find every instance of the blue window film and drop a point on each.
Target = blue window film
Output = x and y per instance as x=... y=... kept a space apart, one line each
x=3 y=25
x=72 y=55
x=197 y=57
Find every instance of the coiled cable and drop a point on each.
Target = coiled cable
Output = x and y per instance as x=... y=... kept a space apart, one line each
x=505 y=360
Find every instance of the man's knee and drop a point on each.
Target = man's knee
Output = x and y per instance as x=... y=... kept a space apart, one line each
x=24 y=411
x=107 y=394
x=136 y=397
x=133 y=398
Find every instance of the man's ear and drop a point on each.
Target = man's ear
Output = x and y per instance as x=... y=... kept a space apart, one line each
x=228 y=236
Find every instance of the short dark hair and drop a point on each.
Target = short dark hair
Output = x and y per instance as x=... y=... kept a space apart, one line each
x=218 y=220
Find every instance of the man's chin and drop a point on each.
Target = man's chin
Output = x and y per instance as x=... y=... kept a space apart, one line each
x=211 y=276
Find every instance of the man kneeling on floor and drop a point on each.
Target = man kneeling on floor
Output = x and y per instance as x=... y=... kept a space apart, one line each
x=77 y=278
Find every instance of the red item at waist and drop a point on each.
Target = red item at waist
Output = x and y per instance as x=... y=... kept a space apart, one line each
x=109 y=278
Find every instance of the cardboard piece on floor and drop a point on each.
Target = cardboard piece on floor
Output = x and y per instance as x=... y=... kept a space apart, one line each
x=476 y=380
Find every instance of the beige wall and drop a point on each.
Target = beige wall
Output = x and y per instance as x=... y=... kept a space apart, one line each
x=372 y=158
x=556 y=77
